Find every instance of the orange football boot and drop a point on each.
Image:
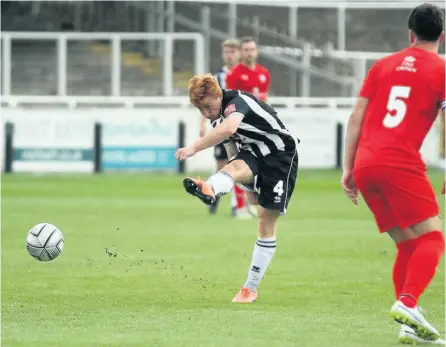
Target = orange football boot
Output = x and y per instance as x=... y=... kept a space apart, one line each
x=245 y=296
x=200 y=189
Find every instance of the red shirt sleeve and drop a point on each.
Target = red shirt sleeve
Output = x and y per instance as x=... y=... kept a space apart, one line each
x=268 y=80
x=232 y=80
x=264 y=87
x=369 y=84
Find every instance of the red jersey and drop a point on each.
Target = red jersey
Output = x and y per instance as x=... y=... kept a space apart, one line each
x=255 y=81
x=405 y=92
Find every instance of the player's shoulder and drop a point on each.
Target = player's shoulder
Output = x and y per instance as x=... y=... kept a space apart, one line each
x=235 y=69
x=440 y=62
x=433 y=58
x=261 y=68
x=411 y=55
x=235 y=101
x=235 y=105
x=233 y=96
x=438 y=66
x=391 y=58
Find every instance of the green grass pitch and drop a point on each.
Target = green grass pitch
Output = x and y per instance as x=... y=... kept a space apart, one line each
x=171 y=270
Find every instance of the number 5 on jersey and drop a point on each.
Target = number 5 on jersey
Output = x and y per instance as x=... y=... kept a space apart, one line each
x=396 y=104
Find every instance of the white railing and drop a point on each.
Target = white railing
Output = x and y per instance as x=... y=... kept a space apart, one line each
x=340 y=6
x=360 y=58
x=115 y=69
x=157 y=102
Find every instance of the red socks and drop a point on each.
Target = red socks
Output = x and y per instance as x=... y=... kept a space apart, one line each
x=411 y=280
x=403 y=255
x=240 y=197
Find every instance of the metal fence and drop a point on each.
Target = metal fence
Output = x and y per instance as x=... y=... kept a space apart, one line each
x=316 y=49
x=19 y=62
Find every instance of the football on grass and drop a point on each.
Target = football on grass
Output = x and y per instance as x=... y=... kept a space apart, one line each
x=44 y=242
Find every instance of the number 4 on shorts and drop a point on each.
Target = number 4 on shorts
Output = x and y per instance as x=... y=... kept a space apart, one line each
x=278 y=188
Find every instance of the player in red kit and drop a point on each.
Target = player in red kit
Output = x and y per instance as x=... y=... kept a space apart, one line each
x=248 y=76
x=396 y=107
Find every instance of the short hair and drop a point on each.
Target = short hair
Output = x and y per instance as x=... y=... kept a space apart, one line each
x=201 y=86
x=427 y=22
x=231 y=43
x=246 y=39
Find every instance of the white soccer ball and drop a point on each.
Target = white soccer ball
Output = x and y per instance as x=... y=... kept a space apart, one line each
x=44 y=242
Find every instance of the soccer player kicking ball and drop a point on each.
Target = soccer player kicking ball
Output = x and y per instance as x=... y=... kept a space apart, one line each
x=397 y=105
x=267 y=161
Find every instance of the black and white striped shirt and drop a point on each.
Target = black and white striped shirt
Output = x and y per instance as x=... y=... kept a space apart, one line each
x=261 y=131
x=220 y=75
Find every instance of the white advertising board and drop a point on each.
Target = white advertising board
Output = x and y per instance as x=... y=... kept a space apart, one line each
x=140 y=143
x=146 y=139
x=317 y=135
x=43 y=144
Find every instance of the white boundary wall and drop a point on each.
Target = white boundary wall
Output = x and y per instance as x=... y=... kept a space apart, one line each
x=137 y=138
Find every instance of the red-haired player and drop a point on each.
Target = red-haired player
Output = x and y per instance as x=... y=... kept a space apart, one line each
x=250 y=77
x=231 y=56
x=397 y=106
x=266 y=164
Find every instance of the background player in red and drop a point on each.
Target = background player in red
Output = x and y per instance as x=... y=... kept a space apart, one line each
x=248 y=76
x=397 y=105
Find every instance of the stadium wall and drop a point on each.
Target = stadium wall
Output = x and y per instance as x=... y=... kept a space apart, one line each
x=55 y=140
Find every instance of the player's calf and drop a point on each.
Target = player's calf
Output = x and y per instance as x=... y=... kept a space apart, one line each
x=263 y=252
x=419 y=266
x=267 y=222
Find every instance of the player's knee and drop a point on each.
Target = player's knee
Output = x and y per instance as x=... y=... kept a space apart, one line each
x=239 y=171
x=267 y=222
x=426 y=226
x=400 y=235
x=220 y=164
x=239 y=165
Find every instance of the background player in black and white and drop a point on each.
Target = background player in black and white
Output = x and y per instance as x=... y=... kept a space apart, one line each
x=267 y=161
x=230 y=53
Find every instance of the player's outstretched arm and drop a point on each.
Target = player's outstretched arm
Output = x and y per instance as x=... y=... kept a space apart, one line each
x=354 y=126
x=350 y=145
x=220 y=133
